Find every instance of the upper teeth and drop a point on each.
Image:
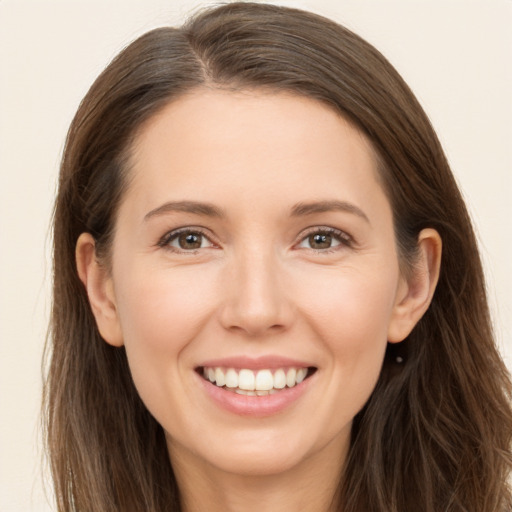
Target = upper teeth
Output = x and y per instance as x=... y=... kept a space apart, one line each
x=249 y=380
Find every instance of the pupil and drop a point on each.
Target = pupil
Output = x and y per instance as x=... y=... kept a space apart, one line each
x=320 y=241
x=190 y=241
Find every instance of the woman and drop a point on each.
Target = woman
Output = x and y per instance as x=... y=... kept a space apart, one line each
x=267 y=290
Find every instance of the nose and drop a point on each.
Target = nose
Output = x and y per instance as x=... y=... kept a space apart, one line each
x=256 y=300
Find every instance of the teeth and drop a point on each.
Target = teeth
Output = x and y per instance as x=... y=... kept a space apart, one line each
x=231 y=378
x=264 y=380
x=301 y=375
x=246 y=380
x=279 y=379
x=220 y=378
x=259 y=383
x=290 y=377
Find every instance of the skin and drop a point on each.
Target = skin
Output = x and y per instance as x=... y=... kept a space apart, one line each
x=257 y=285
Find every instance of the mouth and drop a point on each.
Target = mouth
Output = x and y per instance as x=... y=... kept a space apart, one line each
x=262 y=382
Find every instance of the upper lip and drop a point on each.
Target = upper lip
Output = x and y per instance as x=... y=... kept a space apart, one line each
x=256 y=363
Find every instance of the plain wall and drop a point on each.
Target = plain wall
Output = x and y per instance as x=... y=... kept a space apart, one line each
x=456 y=56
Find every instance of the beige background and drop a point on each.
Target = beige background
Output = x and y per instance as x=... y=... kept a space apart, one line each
x=456 y=55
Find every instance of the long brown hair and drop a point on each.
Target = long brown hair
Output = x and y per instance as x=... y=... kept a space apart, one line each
x=435 y=434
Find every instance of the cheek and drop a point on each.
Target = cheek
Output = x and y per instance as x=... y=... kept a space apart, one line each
x=159 y=307
x=350 y=311
x=352 y=301
x=347 y=312
x=161 y=312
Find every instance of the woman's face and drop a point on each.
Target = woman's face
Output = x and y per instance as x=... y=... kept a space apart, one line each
x=254 y=245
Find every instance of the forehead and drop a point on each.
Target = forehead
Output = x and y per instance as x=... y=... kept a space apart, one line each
x=251 y=144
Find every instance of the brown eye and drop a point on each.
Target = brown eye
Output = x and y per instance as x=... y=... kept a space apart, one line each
x=324 y=239
x=190 y=240
x=186 y=240
x=320 y=241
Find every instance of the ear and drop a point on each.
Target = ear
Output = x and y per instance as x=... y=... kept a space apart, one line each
x=415 y=293
x=100 y=290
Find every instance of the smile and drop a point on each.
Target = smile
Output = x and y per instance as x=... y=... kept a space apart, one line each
x=262 y=382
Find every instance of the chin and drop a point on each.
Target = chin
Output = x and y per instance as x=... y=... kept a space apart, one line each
x=258 y=454
x=257 y=463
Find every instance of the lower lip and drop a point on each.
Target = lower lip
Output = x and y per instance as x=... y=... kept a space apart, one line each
x=259 y=406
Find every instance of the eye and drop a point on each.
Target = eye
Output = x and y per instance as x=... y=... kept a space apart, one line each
x=324 y=239
x=185 y=240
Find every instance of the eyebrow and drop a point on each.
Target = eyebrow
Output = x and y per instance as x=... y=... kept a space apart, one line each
x=301 y=209
x=298 y=210
x=194 y=207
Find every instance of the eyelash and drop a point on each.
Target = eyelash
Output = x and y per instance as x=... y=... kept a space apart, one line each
x=343 y=238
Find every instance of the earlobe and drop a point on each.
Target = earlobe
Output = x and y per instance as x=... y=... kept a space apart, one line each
x=100 y=291
x=415 y=293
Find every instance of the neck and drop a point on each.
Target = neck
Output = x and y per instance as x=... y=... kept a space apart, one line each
x=309 y=487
